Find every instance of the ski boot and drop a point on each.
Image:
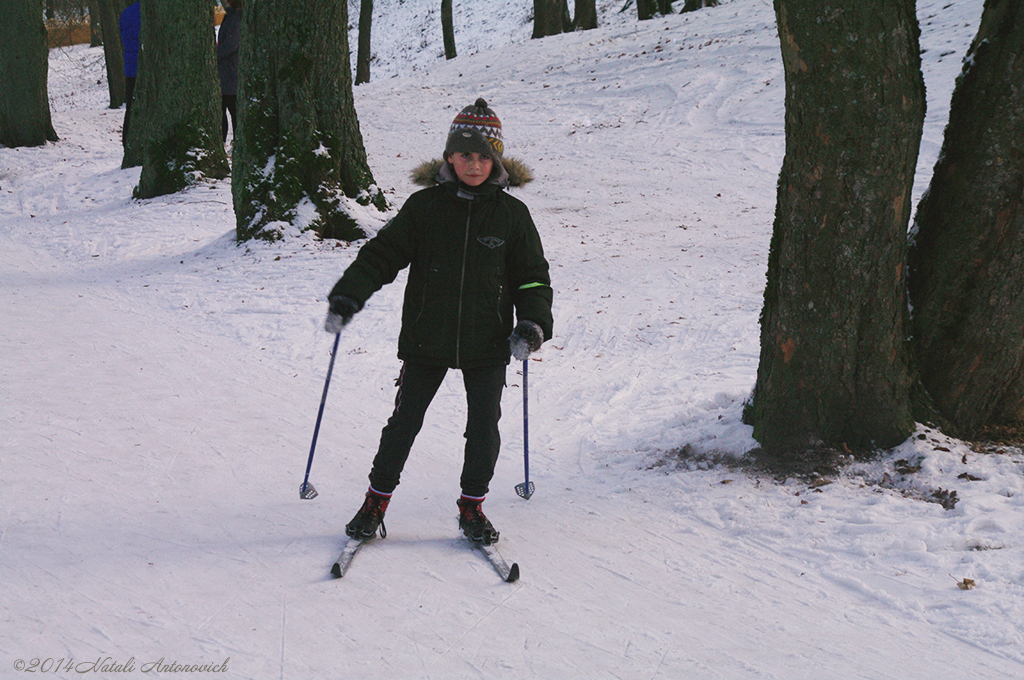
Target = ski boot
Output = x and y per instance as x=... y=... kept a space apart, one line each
x=371 y=516
x=473 y=523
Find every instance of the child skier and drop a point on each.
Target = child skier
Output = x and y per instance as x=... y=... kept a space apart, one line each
x=474 y=255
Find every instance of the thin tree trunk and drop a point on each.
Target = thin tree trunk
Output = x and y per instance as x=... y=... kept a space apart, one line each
x=109 y=11
x=967 y=256
x=95 y=29
x=24 y=65
x=834 y=367
x=694 y=5
x=448 y=29
x=176 y=117
x=299 y=159
x=363 y=53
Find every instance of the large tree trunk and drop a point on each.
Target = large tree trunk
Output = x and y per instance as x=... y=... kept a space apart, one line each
x=967 y=256
x=176 y=117
x=833 y=367
x=299 y=144
x=363 y=52
x=24 y=65
x=550 y=17
x=109 y=11
x=448 y=29
x=585 y=16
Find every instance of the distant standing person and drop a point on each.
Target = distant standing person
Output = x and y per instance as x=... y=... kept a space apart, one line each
x=130 y=25
x=227 y=62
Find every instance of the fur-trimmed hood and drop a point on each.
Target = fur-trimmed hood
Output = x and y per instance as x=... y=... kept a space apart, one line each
x=429 y=173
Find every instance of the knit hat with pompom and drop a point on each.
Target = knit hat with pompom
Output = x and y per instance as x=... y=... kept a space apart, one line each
x=476 y=130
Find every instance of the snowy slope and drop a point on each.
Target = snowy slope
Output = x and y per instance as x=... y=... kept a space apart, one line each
x=159 y=386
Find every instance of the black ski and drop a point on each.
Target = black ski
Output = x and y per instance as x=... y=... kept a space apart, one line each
x=345 y=558
x=507 y=573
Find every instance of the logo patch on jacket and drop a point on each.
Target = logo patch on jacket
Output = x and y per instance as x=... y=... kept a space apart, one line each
x=491 y=242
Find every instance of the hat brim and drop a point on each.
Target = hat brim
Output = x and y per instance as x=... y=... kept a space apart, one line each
x=472 y=141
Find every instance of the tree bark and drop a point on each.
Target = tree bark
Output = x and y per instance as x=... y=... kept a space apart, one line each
x=694 y=5
x=967 y=255
x=24 y=66
x=448 y=29
x=95 y=29
x=109 y=11
x=834 y=366
x=363 y=51
x=646 y=9
x=176 y=117
x=585 y=17
x=299 y=155
x=550 y=17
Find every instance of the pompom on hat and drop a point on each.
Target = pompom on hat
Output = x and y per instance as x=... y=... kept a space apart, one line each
x=476 y=130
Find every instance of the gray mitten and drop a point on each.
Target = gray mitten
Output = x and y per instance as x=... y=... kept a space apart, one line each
x=341 y=311
x=527 y=337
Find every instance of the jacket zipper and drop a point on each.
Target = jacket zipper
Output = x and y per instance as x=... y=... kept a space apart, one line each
x=462 y=288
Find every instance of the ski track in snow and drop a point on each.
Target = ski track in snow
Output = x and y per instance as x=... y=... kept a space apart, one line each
x=160 y=387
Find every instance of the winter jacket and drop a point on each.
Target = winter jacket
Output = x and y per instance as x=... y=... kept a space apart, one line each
x=228 y=38
x=473 y=257
x=130 y=24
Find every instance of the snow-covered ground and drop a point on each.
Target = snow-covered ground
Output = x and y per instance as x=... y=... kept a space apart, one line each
x=159 y=387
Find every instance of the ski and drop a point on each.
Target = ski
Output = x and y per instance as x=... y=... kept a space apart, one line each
x=507 y=573
x=345 y=558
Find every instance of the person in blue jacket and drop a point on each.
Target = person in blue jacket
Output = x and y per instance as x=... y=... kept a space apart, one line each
x=130 y=25
x=476 y=264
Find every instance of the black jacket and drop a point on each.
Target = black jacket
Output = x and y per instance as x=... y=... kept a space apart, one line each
x=227 y=50
x=472 y=258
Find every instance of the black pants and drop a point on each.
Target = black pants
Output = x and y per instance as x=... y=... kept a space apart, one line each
x=129 y=95
x=227 y=106
x=417 y=386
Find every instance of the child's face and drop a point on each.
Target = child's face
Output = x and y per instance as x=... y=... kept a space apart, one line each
x=472 y=168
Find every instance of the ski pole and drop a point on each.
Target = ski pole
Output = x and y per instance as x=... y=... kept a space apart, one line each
x=306 y=491
x=525 y=490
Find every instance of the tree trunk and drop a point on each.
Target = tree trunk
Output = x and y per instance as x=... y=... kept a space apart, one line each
x=967 y=256
x=24 y=65
x=646 y=9
x=448 y=29
x=550 y=17
x=176 y=117
x=95 y=29
x=585 y=17
x=694 y=5
x=363 y=52
x=109 y=11
x=299 y=157
x=834 y=367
